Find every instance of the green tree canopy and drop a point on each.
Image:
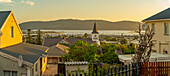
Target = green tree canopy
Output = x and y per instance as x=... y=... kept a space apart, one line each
x=109 y=57
x=85 y=35
x=123 y=41
x=114 y=39
x=81 y=51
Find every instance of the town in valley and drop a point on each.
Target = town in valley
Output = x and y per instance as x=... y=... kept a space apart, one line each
x=60 y=38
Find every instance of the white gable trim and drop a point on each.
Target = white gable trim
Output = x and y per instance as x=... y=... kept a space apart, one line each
x=15 y=59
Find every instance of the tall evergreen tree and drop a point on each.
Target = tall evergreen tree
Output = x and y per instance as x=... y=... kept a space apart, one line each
x=39 y=42
x=29 y=38
x=85 y=35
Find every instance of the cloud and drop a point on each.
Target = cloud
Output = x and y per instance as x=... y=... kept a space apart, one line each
x=28 y=2
x=6 y=1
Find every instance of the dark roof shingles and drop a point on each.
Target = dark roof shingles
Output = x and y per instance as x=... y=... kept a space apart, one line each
x=54 y=41
x=3 y=17
x=55 y=51
x=74 y=40
x=29 y=52
x=51 y=41
x=165 y=14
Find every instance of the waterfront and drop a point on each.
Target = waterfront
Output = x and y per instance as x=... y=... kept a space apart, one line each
x=103 y=32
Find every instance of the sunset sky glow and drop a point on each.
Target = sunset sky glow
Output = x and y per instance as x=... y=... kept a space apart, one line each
x=111 y=10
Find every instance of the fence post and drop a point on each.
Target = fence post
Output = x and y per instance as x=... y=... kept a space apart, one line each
x=115 y=71
x=108 y=71
x=136 y=69
x=104 y=73
x=89 y=73
x=119 y=71
x=84 y=74
x=96 y=72
x=126 y=69
x=111 y=71
x=76 y=74
x=122 y=70
x=129 y=70
x=100 y=73
x=140 y=68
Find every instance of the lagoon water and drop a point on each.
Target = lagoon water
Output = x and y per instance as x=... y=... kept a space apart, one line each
x=103 y=32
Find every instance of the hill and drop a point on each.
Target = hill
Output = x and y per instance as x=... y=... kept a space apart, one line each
x=72 y=24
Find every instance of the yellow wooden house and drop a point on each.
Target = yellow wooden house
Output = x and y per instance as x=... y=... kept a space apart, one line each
x=18 y=58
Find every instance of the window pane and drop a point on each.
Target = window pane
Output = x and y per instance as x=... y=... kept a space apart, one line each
x=36 y=66
x=6 y=73
x=14 y=73
x=12 y=31
x=166 y=28
x=153 y=27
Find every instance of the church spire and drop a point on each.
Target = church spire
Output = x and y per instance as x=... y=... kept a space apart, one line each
x=95 y=29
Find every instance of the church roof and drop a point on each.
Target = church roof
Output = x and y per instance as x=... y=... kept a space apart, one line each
x=95 y=29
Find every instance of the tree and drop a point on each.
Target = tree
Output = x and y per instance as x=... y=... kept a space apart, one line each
x=39 y=41
x=23 y=39
x=130 y=49
x=81 y=51
x=114 y=39
x=29 y=38
x=144 y=48
x=109 y=57
x=85 y=35
x=123 y=41
x=108 y=38
x=107 y=47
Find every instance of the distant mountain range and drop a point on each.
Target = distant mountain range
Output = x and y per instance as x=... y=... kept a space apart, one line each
x=74 y=24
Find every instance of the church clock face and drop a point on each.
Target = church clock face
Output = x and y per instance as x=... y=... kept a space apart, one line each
x=95 y=37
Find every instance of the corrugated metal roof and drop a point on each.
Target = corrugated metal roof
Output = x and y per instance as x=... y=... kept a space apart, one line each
x=29 y=52
x=165 y=14
x=3 y=17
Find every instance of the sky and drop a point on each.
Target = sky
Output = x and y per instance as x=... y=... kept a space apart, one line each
x=110 y=10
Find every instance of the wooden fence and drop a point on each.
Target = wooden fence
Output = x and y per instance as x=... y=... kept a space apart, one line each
x=155 y=68
x=133 y=69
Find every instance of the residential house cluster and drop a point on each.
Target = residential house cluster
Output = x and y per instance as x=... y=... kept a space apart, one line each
x=18 y=58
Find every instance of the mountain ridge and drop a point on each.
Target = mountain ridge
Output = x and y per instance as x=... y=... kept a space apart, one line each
x=75 y=24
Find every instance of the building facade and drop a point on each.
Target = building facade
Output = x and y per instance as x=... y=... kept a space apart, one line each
x=160 y=24
x=18 y=58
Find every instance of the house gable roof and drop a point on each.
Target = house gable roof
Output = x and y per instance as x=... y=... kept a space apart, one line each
x=51 y=41
x=165 y=14
x=30 y=53
x=3 y=16
x=54 y=41
x=74 y=40
x=55 y=51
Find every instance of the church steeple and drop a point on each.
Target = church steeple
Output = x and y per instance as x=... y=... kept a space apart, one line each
x=95 y=34
x=95 y=29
